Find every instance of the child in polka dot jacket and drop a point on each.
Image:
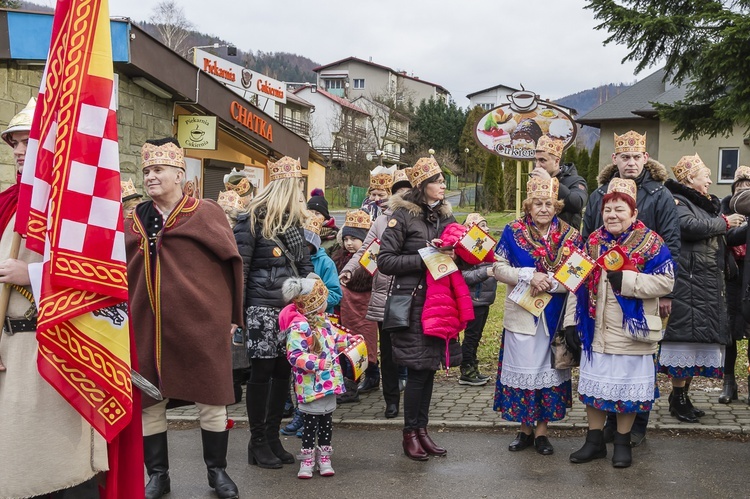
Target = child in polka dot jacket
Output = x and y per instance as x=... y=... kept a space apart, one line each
x=311 y=348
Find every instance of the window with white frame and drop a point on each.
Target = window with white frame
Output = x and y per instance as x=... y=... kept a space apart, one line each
x=729 y=160
x=335 y=84
x=486 y=106
x=359 y=83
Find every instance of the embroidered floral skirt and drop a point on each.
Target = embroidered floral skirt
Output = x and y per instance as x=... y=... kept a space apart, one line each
x=527 y=388
x=265 y=339
x=617 y=383
x=684 y=360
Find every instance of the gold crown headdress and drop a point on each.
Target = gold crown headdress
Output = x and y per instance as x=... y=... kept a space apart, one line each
x=167 y=154
x=687 y=166
x=22 y=121
x=314 y=224
x=400 y=176
x=382 y=178
x=624 y=185
x=742 y=173
x=127 y=190
x=315 y=299
x=358 y=219
x=422 y=170
x=474 y=219
x=551 y=146
x=542 y=188
x=630 y=142
x=230 y=200
x=286 y=167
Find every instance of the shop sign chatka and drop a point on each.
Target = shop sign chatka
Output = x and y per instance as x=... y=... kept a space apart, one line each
x=512 y=130
x=196 y=132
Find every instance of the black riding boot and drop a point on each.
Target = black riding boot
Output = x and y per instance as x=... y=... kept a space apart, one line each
x=623 y=454
x=594 y=448
x=156 y=458
x=258 y=451
x=215 y=456
x=698 y=413
x=276 y=401
x=680 y=408
x=729 y=390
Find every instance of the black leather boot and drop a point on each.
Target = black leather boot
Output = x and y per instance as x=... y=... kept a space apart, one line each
x=679 y=407
x=623 y=454
x=698 y=413
x=729 y=390
x=156 y=458
x=258 y=451
x=215 y=456
x=594 y=448
x=276 y=401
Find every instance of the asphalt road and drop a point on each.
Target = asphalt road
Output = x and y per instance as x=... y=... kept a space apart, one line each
x=369 y=463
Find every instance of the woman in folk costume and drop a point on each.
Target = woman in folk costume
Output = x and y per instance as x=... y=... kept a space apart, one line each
x=528 y=390
x=272 y=244
x=616 y=316
x=697 y=331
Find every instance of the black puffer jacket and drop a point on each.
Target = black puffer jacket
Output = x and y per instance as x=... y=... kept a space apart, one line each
x=699 y=308
x=265 y=266
x=574 y=192
x=409 y=228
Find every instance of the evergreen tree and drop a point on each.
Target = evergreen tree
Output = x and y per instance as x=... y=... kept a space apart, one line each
x=492 y=183
x=477 y=155
x=583 y=163
x=438 y=125
x=594 y=166
x=702 y=44
x=509 y=184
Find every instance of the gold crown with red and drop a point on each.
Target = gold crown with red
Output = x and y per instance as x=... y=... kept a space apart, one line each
x=358 y=219
x=551 y=146
x=243 y=187
x=474 y=219
x=381 y=178
x=542 y=188
x=630 y=142
x=688 y=166
x=742 y=173
x=314 y=300
x=314 y=224
x=401 y=175
x=286 y=167
x=168 y=154
x=624 y=185
x=422 y=170
x=230 y=200
x=127 y=190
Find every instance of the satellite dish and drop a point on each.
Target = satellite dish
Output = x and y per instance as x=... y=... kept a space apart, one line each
x=368 y=156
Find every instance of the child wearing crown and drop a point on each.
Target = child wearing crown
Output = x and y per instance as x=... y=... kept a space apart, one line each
x=312 y=347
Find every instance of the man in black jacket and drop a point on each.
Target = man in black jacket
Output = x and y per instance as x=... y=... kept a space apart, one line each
x=656 y=209
x=573 y=190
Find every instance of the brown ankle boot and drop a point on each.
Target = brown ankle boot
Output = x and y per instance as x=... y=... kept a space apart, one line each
x=428 y=445
x=412 y=448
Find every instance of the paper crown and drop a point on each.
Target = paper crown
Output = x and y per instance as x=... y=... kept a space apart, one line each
x=742 y=173
x=382 y=178
x=22 y=121
x=127 y=190
x=542 y=188
x=168 y=154
x=630 y=142
x=550 y=146
x=286 y=167
x=358 y=219
x=474 y=218
x=313 y=300
x=230 y=200
x=424 y=169
x=238 y=181
x=687 y=166
x=624 y=185
x=314 y=224
x=401 y=176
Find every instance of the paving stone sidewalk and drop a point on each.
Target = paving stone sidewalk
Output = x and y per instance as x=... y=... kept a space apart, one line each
x=458 y=406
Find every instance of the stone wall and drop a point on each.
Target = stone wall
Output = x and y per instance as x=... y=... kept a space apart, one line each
x=140 y=115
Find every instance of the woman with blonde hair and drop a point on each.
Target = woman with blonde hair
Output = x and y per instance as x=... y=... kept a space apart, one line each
x=271 y=241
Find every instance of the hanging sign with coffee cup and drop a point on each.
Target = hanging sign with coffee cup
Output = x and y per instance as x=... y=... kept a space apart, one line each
x=512 y=130
x=196 y=132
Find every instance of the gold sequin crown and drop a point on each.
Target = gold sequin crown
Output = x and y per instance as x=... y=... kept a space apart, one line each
x=168 y=154
x=474 y=219
x=542 y=188
x=687 y=166
x=314 y=224
x=243 y=187
x=630 y=142
x=314 y=300
x=401 y=175
x=286 y=167
x=424 y=169
x=550 y=146
x=22 y=121
x=127 y=190
x=624 y=185
x=230 y=200
x=358 y=219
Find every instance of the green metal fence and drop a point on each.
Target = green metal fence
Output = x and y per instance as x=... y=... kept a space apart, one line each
x=356 y=196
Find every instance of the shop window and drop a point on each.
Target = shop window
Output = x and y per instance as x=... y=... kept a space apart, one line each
x=729 y=160
x=359 y=83
x=213 y=176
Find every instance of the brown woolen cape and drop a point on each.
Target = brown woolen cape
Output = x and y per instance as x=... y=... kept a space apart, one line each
x=201 y=296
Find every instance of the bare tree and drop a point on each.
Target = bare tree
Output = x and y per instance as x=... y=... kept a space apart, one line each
x=172 y=25
x=10 y=4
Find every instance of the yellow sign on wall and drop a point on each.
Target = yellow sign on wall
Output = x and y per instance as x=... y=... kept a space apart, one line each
x=196 y=132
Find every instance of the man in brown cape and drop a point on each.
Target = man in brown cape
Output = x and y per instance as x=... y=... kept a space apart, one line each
x=185 y=282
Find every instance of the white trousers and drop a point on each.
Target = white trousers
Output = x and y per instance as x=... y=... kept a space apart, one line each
x=212 y=418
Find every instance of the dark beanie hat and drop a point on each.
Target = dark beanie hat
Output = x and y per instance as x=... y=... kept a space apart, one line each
x=355 y=232
x=319 y=204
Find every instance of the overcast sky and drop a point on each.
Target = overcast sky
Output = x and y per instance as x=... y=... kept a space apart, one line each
x=549 y=46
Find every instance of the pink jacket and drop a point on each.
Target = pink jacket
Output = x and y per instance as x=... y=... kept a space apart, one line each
x=447 y=307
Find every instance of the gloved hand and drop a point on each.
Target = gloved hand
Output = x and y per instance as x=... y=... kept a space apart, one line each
x=573 y=341
x=615 y=280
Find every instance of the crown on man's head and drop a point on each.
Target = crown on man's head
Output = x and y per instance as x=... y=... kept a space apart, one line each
x=168 y=154
x=630 y=142
x=551 y=146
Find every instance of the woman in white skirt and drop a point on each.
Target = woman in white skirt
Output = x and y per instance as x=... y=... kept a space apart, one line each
x=615 y=313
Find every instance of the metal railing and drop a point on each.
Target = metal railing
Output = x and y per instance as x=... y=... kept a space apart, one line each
x=297 y=126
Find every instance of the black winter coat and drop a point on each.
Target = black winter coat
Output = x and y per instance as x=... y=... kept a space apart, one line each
x=409 y=229
x=738 y=327
x=699 y=307
x=265 y=266
x=573 y=192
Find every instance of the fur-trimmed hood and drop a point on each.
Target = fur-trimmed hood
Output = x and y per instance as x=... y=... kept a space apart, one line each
x=397 y=202
x=710 y=204
x=654 y=169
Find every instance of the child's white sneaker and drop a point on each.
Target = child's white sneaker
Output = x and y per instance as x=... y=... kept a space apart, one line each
x=306 y=463
x=324 y=460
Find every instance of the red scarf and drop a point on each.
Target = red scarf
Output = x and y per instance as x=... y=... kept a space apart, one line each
x=9 y=203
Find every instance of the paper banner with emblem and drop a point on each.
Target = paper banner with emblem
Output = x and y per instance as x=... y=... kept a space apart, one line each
x=574 y=270
x=616 y=260
x=356 y=352
x=477 y=242
x=369 y=259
